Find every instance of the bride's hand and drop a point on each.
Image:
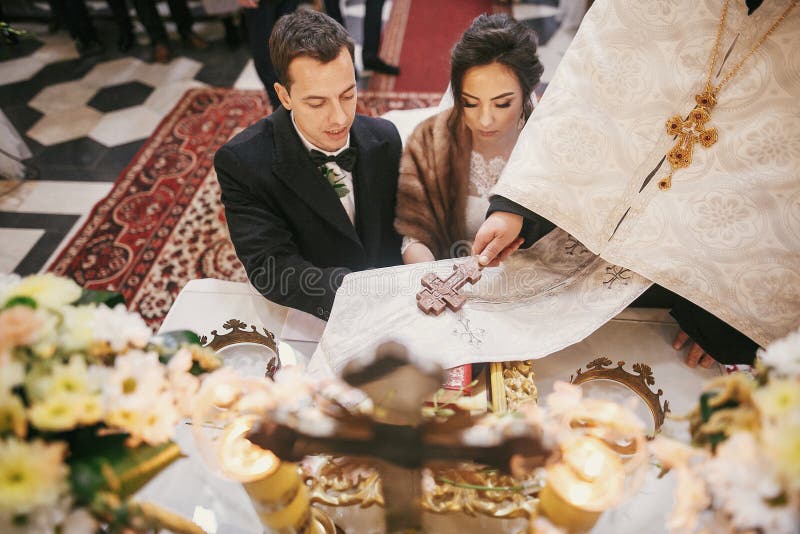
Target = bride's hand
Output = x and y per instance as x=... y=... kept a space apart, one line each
x=417 y=253
x=497 y=238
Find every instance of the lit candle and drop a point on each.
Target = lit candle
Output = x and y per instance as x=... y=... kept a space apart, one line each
x=588 y=479
x=280 y=498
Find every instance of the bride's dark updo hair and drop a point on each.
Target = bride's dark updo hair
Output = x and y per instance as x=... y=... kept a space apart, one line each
x=495 y=39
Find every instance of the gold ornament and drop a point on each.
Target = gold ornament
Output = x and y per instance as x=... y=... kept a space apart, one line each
x=692 y=130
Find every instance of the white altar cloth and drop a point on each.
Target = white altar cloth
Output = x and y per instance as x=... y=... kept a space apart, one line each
x=221 y=506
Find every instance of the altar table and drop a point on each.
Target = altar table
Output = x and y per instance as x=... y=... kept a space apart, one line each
x=634 y=336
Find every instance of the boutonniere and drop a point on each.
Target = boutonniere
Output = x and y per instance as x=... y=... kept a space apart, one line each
x=336 y=180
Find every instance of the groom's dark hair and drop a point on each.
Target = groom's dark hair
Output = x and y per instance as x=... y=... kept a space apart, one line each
x=306 y=33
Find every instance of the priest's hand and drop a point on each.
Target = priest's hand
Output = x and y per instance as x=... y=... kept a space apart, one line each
x=696 y=353
x=497 y=238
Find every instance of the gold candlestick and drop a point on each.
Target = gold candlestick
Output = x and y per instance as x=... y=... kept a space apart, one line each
x=587 y=480
x=276 y=488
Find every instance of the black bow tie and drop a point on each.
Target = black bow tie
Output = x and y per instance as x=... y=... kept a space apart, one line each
x=346 y=159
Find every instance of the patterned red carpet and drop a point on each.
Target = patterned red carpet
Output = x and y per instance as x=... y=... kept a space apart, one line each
x=163 y=224
x=422 y=49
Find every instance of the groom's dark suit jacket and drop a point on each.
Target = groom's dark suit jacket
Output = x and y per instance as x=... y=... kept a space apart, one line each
x=286 y=222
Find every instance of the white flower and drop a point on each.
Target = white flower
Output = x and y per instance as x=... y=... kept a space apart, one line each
x=76 y=332
x=742 y=482
x=12 y=375
x=672 y=453
x=312 y=422
x=48 y=290
x=184 y=385
x=564 y=398
x=181 y=362
x=691 y=498
x=32 y=474
x=428 y=482
x=137 y=378
x=120 y=328
x=157 y=423
x=480 y=436
x=783 y=355
x=41 y=520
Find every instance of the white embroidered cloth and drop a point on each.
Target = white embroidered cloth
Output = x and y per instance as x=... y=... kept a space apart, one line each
x=727 y=235
x=542 y=300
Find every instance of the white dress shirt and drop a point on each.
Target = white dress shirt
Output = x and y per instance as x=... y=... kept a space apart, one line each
x=348 y=201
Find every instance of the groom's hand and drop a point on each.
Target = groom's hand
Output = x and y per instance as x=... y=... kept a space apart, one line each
x=497 y=238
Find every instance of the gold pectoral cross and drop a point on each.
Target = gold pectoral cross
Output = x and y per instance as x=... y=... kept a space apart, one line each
x=688 y=132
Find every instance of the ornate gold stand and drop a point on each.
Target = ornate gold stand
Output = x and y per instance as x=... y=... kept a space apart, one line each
x=239 y=334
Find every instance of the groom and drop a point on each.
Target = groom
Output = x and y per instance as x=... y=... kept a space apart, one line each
x=309 y=192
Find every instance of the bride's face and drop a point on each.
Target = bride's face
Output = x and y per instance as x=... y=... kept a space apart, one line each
x=492 y=99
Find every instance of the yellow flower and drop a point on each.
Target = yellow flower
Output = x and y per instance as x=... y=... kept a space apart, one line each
x=56 y=413
x=69 y=378
x=47 y=290
x=12 y=415
x=31 y=475
x=90 y=409
x=780 y=398
x=125 y=419
x=782 y=446
x=207 y=359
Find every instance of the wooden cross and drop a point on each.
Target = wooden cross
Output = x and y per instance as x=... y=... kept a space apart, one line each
x=438 y=294
x=688 y=132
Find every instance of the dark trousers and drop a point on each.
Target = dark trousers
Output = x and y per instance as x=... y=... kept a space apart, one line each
x=723 y=342
x=372 y=25
x=150 y=19
x=77 y=19
x=260 y=21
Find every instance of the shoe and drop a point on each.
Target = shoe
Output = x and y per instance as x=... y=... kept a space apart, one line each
x=161 y=53
x=379 y=65
x=126 y=41
x=192 y=40
x=90 y=47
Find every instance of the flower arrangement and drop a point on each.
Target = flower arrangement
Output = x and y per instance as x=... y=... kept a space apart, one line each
x=742 y=472
x=89 y=401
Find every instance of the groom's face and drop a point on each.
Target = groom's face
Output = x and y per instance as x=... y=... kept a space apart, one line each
x=322 y=97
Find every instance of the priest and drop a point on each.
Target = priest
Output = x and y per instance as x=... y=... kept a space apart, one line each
x=668 y=143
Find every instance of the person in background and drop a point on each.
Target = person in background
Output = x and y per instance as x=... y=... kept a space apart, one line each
x=372 y=35
x=151 y=20
x=260 y=17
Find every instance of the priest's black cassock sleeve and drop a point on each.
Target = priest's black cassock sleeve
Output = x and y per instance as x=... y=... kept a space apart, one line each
x=723 y=342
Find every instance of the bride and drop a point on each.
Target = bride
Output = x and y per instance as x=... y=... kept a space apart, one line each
x=454 y=158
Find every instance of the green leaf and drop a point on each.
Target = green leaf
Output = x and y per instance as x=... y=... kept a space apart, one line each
x=93 y=296
x=117 y=468
x=706 y=411
x=20 y=301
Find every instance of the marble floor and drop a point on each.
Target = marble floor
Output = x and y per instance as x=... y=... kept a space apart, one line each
x=77 y=122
